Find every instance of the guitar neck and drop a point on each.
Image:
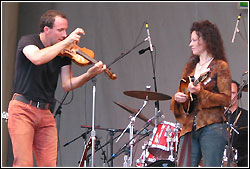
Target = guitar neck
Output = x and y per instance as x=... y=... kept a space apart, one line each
x=201 y=78
x=196 y=82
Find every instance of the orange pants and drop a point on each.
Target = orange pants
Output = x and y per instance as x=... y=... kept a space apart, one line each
x=32 y=130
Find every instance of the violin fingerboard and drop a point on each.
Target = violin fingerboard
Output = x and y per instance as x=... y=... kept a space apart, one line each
x=86 y=56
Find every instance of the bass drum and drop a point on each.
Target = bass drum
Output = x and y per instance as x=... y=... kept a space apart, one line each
x=162 y=163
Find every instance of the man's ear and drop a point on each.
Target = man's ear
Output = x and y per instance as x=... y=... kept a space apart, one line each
x=46 y=29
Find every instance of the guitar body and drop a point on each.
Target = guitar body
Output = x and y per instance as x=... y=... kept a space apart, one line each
x=184 y=89
x=187 y=106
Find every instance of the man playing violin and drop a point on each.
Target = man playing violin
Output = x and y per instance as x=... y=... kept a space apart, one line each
x=31 y=124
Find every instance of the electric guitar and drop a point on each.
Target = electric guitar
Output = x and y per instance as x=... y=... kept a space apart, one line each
x=84 y=154
x=184 y=88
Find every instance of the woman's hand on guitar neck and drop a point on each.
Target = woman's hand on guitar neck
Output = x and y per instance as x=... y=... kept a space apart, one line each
x=180 y=97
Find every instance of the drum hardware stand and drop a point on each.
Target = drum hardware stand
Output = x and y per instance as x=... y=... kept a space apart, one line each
x=111 y=132
x=145 y=149
x=103 y=153
x=124 y=147
x=176 y=141
x=101 y=146
x=131 y=127
x=230 y=126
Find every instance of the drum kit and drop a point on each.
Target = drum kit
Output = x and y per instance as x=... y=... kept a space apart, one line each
x=161 y=149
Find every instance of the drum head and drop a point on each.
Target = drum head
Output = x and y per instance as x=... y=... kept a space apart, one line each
x=162 y=163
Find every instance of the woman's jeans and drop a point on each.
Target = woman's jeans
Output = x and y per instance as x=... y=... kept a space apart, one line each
x=207 y=143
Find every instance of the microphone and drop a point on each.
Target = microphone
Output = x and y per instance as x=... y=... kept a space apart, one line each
x=149 y=39
x=246 y=72
x=236 y=28
x=144 y=50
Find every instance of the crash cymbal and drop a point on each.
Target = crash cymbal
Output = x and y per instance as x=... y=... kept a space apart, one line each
x=151 y=95
x=134 y=111
x=245 y=88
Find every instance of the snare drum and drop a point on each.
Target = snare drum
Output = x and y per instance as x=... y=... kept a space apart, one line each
x=165 y=140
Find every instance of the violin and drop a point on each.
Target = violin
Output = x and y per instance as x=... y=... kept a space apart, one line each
x=83 y=57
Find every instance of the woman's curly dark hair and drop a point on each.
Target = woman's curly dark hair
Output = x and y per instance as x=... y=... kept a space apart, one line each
x=212 y=37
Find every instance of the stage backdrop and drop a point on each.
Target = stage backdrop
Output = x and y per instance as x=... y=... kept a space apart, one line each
x=112 y=30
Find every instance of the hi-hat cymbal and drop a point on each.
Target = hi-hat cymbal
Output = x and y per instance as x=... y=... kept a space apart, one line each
x=134 y=111
x=144 y=94
x=245 y=88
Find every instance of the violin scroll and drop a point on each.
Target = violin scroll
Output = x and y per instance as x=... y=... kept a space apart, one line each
x=110 y=74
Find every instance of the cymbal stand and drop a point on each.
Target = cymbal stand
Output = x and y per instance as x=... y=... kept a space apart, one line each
x=124 y=147
x=227 y=111
x=93 y=123
x=131 y=127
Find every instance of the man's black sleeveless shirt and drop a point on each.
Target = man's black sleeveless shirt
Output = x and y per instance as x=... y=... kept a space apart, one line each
x=36 y=82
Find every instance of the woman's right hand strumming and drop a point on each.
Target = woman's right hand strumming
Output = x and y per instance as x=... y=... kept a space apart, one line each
x=180 y=97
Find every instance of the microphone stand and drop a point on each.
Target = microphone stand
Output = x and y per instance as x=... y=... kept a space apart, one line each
x=93 y=123
x=82 y=135
x=154 y=77
x=157 y=104
x=124 y=54
x=229 y=148
x=59 y=112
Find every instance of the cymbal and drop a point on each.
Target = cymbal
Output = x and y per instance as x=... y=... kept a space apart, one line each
x=134 y=111
x=144 y=94
x=245 y=88
x=242 y=128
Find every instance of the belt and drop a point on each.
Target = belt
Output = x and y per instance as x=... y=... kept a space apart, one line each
x=38 y=105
